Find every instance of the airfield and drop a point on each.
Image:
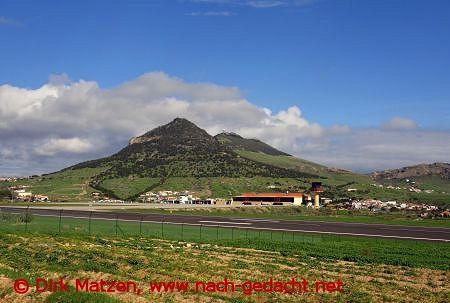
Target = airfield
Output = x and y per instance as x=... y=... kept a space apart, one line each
x=124 y=212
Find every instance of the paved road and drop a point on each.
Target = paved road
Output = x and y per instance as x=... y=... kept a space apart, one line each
x=320 y=227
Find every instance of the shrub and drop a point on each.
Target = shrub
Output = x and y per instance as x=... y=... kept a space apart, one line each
x=25 y=218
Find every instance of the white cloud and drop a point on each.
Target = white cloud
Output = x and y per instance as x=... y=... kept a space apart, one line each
x=339 y=129
x=72 y=145
x=398 y=123
x=376 y=148
x=62 y=123
x=211 y=14
x=6 y=153
x=264 y=3
x=40 y=120
x=258 y=3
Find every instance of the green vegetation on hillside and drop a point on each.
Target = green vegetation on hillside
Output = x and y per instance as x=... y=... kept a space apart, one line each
x=128 y=187
x=180 y=156
x=283 y=161
x=236 y=142
x=214 y=187
x=181 y=149
x=68 y=185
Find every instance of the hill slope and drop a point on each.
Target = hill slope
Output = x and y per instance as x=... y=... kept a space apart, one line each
x=235 y=141
x=441 y=170
x=432 y=178
x=181 y=149
x=180 y=156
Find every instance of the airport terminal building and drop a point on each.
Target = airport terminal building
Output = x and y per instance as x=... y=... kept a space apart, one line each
x=269 y=199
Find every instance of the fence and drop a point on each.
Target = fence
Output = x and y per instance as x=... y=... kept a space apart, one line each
x=97 y=225
x=294 y=243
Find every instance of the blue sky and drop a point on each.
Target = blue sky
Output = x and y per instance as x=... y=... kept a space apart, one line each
x=361 y=64
x=338 y=60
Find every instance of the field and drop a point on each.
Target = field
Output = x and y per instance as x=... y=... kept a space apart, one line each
x=371 y=270
x=146 y=260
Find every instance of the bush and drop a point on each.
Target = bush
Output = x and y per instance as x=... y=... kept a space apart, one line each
x=25 y=218
x=5 y=193
x=7 y=217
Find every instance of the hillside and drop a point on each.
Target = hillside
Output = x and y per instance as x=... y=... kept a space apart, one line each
x=237 y=142
x=440 y=170
x=432 y=178
x=259 y=151
x=181 y=156
x=182 y=149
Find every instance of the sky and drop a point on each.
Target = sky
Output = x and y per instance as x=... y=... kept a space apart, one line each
x=357 y=84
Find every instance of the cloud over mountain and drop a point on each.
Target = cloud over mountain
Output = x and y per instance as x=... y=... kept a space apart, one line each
x=66 y=122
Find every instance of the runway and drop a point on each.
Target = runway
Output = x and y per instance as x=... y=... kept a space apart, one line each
x=439 y=234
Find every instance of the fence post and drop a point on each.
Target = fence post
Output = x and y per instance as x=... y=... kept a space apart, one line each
x=117 y=218
x=140 y=226
x=60 y=217
x=90 y=216
x=26 y=219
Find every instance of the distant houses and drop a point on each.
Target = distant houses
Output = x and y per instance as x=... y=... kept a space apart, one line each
x=175 y=197
x=20 y=193
x=374 y=205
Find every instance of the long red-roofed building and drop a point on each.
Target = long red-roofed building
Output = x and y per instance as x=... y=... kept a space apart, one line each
x=269 y=198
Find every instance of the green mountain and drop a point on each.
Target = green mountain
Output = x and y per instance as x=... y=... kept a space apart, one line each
x=181 y=156
x=182 y=149
x=258 y=151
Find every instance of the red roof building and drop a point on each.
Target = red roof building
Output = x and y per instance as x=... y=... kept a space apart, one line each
x=269 y=198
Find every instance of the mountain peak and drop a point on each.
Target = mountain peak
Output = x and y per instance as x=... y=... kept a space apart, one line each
x=182 y=149
x=178 y=127
x=181 y=121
